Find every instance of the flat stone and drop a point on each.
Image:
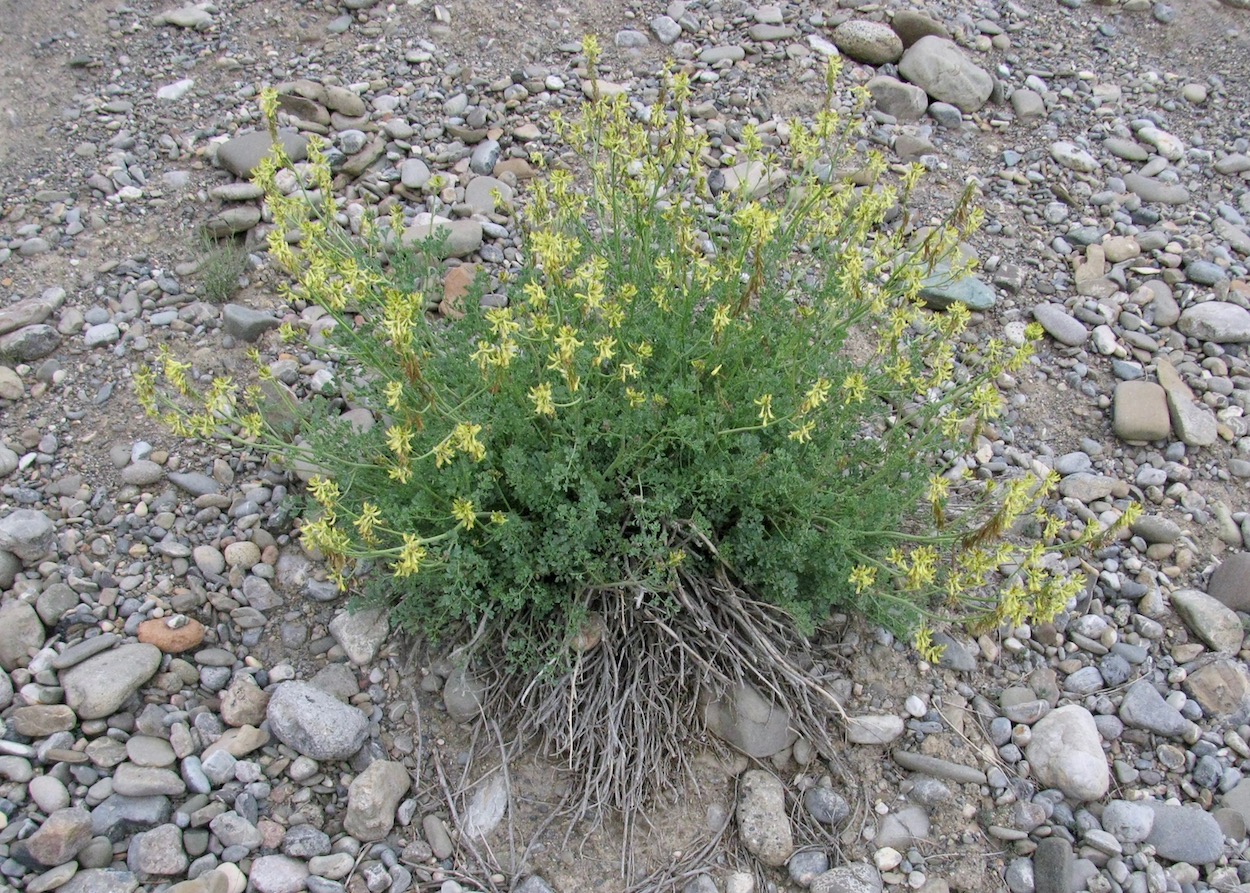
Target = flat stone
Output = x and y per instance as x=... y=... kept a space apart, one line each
x=1140 y=411
x=119 y=816
x=1066 y=753
x=277 y=874
x=1086 y=487
x=29 y=343
x=172 y=635
x=42 y=720
x=1230 y=582
x=763 y=822
x=98 y=686
x=461 y=237
x=1129 y=821
x=101 y=880
x=1213 y=622
x=1073 y=157
x=1149 y=189
x=57 y=840
x=1060 y=325
x=29 y=312
x=242 y=154
x=878 y=730
x=904 y=102
x=1052 y=866
x=902 y=829
x=939 y=768
x=247 y=324
x=1222 y=690
x=939 y=291
x=746 y=720
x=1144 y=708
x=1185 y=834
x=1193 y=422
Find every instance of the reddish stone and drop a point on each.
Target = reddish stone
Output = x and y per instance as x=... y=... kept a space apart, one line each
x=171 y=641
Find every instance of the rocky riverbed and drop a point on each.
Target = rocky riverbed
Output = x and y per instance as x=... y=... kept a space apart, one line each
x=188 y=705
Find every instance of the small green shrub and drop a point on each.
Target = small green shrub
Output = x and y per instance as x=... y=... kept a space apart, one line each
x=706 y=420
x=221 y=262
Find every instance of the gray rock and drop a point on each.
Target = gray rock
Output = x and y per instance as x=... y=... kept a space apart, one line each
x=1060 y=325
x=414 y=173
x=1238 y=799
x=826 y=805
x=157 y=853
x=902 y=829
x=21 y=634
x=130 y=780
x=854 y=877
x=99 y=685
x=242 y=154
x=874 y=729
x=247 y=324
x=485 y=194
x=868 y=41
x=1144 y=708
x=232 y=221
x=1140 y=411
x=191 y=17
x=1185 y=834
x=939 y=291
x=911 y=25
x=57 y=840
x=462 y=695
x=488 y=806
x=29 y=344
x=233 y=829
x=744 y=719
x=1019 y=875
x=101 y=880
x=666 y=29
x=10 y=567
x=938 y=768
x=942 y=70
x=315 y=724
x=905 y=102
x=1214 y=623
x=806 y=865
x=1087 y=488
x=461 y=237
x=1073 y=157
x=194 y=483
x=1052 y=866
x=142 y=473
x=1027 y=103
x=305 y=842
x=28 y=534
x=763 y=823
x=1222 y=690
x=1066 y=753
x=484 y=158
x=118 y=817
x=1204 y=272
x=102 y=335
x=372 y=798
x=1149 y=189
x=360 y=633
x=1157 y=529
x=1130 y=821
x=277 y=874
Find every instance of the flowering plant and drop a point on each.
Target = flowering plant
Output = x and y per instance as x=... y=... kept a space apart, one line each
x=690 y=381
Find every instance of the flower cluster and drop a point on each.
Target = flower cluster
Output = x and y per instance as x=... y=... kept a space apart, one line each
x=682 y=380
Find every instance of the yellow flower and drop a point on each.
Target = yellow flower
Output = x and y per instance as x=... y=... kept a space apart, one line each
x=863 y=578
x=465 y=437
x=325 y=491
x=765 y=403
x=399 y=440
x=720 y=318
x=636 y=397
x=393 y=391
x=367 y=522
x=606 y=347
x=411 y=556
x=541 y=396
x=817 y=394
x=803 y=433
x=444 y=452
x=855 y=388
x=925 y=646
x=462 y=510
x=498 y=518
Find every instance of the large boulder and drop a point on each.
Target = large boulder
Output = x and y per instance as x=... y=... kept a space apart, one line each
x=941 y=69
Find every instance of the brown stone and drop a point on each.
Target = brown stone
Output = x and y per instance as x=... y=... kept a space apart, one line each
x=456 y=285
x=1222 y=690
x=519 y=168
x=239 y=742
x=42 y=720
x=172 y=639
x=243 y=703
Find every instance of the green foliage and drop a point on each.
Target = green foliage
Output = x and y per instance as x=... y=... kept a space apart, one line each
x=222 y=261
x=681 y=382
